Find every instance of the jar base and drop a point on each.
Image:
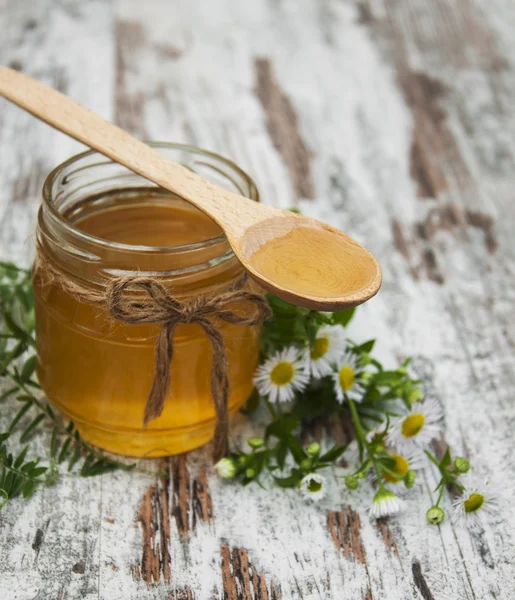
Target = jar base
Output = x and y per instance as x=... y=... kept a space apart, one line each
x=150 y=443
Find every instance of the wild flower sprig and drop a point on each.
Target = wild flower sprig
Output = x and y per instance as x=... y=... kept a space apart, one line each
x=21 y=474
x=309 y=369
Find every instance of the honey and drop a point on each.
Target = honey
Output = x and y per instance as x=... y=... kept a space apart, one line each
x=290 y=261
x=98 y=371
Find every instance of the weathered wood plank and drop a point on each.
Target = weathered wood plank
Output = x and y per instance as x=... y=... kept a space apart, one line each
x=392 y=120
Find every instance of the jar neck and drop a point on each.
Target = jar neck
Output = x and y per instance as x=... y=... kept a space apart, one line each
x=91 y=183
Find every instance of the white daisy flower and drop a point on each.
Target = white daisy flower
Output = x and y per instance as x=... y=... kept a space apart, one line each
x=281 y=375
x=385 y=503
x=328 y=347
x=415 y=430
x=478 y=500
x=226 y=468
x=345 y=379
x=313 y=486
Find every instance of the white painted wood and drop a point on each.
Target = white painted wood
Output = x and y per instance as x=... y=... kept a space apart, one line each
x=189 y=75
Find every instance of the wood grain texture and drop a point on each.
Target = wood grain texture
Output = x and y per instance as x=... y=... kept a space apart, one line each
x=406 y=111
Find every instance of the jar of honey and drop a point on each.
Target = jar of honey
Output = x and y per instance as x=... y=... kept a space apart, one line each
x=98 y=221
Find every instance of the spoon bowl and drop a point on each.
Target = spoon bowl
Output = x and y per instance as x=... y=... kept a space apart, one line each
x=296 y=258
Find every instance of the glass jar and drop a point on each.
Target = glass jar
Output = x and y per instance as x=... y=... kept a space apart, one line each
x=98 y=371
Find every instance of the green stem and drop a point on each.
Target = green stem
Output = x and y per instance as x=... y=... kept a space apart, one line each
x=433 y=459
x=361 y=436
x=271 y=409
x=379 y=473
x=360 y=432
x=440 y=495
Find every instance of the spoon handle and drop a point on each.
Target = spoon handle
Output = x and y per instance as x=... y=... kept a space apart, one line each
x=77 y=121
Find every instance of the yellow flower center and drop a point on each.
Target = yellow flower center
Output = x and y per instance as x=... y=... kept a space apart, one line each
x=314 y=486
x=474 y=502
x=347 y=378
x=320 y=347
x=412 y=425
x=282 y=373
x=400 y=469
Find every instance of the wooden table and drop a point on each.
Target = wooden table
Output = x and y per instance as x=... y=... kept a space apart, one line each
x=392 y=119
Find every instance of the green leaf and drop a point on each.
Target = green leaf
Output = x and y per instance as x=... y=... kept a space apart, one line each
x=38 y=471
x=367 y=347
x=20 y=458
x=388 y=378
x=281 y=428
x=28 y=431
x=334 y=453
x=28 y=488
x=446 y=460
x=64 y=450
x=296 y=449
x=8 y=393
x=287 y=482
x=19 y=415
x=281 y=306
x=343 y=317
x=28 y=368
x=252 y=403
x=54 y=443
x=74 y=458
x=17 y=351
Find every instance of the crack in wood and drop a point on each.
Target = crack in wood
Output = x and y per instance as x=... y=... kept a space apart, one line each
x=345 y=529
x=191 y=501
x=28 y=186
x=365 y=15
x=202 y=502
x=430 y=263
x=39 y=538
x=282 y=125
x=79 y=567
x=420 y=581
x=129 y=105
x=423 y=95
x=448 y=217
x=181 y=493
x=155 y=521
x=185 y=594
x=241 y=580
x=383 y=526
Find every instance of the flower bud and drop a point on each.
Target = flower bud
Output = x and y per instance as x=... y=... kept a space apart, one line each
x=365 y=359
x=242 y=459
x=256 y=442
x=250 y=473
x=306 y=464
x=226 y=468
x=414 y=396
x=377 y=447
x=435 y=515
x=352 y=482
x=461 y=465
x=409 y=479
x=313 y=449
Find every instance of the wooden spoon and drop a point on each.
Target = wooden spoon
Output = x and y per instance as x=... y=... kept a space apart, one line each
x=296 y=258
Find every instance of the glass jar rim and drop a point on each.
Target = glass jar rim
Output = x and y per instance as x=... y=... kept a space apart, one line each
x=75 y=231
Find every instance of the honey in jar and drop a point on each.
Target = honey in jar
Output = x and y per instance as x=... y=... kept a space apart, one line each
x=98 y=221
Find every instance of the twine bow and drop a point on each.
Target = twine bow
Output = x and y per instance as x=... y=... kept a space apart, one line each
x=159 y=306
